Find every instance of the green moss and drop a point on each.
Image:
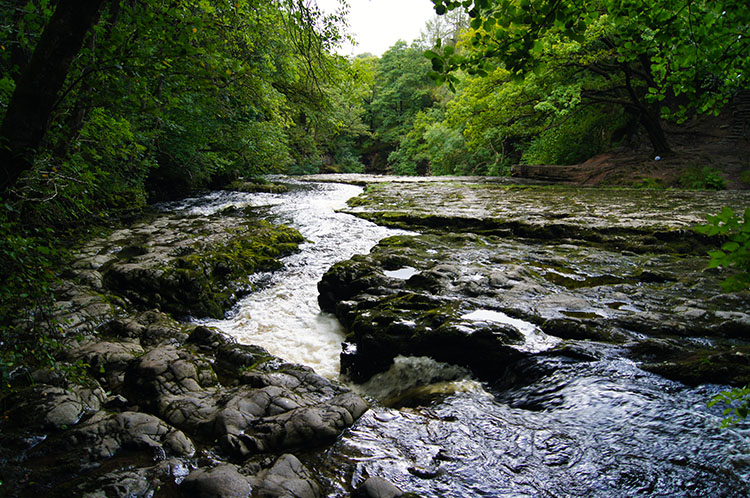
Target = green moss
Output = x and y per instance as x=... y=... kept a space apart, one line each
x=257 y=186
x=207 y=281
x=720 y=365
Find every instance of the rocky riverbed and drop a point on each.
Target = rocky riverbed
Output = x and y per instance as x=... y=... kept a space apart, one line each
x=523 y=341
x=161 y=407
x=518 y=271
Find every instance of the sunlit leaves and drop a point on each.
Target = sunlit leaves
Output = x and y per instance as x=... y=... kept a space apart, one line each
x=738 y=404
x=734 y=253
x=697 y=50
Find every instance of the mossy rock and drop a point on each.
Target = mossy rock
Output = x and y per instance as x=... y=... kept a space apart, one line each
x=205 y=280
x=257 y=186
x=719 y=365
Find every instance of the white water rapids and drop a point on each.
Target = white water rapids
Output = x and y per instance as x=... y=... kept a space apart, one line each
x=283 y=316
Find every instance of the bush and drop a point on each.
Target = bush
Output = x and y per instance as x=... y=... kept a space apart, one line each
x=102 y=174
x=738 y=401
x=735 y=249
x=26 y=292
x=649 y=184
x=734 y=253
x=705 y=178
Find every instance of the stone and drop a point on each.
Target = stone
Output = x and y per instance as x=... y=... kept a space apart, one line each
x=287 y=478
x=222 y=481
x=50 y=407
x=107 y=359
x=106 y=434
x=377 y=487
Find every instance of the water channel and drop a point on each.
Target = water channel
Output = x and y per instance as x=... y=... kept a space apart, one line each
x=597 y=428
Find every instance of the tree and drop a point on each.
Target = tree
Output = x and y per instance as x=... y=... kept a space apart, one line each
x=401 y=89
x=447 y=28
x=666 y=59
x=31 y=105
x=198 y=89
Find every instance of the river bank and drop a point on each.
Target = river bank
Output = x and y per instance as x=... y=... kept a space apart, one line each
x=578 y=311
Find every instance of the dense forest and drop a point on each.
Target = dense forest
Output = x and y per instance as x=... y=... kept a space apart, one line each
x=156 y=100
x=109 y=105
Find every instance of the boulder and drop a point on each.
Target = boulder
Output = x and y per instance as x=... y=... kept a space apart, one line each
x=287 y=478
x=377 y=487
x=276 y=406
x=105 y=434
x=50 y=407
x=222 y=481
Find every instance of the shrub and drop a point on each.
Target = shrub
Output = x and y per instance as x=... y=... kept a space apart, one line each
x=735 y=250
x=735 y=254
x=649 y=183
x=738 y=401
x=705 y=178
x=26 y=291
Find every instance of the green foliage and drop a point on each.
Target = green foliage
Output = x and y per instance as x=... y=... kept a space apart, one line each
x=193 y=91
x=734 y=231
x=705 y=178
x=577 y=138
x=401 y=89
x=738 y=401
x=670 y=59
x=26 y=291
x=649 y=183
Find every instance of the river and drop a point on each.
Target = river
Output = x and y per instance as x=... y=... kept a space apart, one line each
x=596 y=428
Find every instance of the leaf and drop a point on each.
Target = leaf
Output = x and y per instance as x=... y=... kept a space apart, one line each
x=730 y=246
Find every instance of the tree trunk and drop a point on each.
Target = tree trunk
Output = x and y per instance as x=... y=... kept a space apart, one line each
x=655 y=132
x=648 y=119
x=33 y=100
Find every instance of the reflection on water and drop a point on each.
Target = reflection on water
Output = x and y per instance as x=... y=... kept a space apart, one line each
x=601 y=428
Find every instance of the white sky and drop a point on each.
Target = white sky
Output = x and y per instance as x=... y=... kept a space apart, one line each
x=378 y=24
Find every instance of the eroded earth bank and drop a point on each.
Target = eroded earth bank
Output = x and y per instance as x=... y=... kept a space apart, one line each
x=518 y=340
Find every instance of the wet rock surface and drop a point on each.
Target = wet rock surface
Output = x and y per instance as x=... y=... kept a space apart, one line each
x=167 y=408
x=498 y=274
x=567 y=302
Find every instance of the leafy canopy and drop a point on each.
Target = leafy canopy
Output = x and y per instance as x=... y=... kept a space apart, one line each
x=697 y=50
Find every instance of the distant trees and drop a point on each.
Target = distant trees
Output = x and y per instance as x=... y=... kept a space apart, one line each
x=401 y=89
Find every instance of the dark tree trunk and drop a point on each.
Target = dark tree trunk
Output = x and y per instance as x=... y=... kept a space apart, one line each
x=655 y=132
x=649 y=119
x=33 y=101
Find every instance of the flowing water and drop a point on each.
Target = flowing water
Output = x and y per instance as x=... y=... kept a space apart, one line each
x=586 y=428
x=283 y=316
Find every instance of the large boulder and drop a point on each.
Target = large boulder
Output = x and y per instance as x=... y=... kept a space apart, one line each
x=287 y=478
x=106 y=434
x=42 y=406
